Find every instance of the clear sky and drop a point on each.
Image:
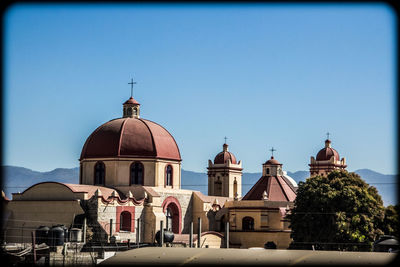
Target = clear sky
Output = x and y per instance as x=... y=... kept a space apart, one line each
x=263 y=75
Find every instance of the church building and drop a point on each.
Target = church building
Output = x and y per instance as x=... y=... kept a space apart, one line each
x=130 y=181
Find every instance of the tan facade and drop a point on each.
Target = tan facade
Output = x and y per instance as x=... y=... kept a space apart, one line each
x=323 y=167
x=252 y=223
x=48 y=204
x=225 y=179
x=117 y=171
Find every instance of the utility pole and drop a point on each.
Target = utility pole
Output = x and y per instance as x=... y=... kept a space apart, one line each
x=161 y=234
x=199 y=232
x=84 y=231
x=111 y=222
x=33 y=247
x=138 y=233
x=227 y=235
x=191 y=235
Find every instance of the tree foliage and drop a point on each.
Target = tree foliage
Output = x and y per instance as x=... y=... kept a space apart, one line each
x=337 y=211
x=390 y=225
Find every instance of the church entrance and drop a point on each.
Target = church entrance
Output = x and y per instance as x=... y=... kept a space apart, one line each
x=173 y=214
x=172 y=218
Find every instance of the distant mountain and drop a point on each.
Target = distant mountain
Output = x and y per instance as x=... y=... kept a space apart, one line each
x=18 y=179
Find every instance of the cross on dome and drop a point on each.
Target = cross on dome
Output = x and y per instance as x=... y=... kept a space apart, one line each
x=132 y=83
x=272 y=151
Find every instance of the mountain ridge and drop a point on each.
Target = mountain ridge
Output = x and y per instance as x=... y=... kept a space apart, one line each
x=17 y=179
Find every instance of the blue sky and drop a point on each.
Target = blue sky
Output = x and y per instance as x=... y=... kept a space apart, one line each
x=263 y=75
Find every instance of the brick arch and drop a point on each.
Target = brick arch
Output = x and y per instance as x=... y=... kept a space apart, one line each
x=173 y=203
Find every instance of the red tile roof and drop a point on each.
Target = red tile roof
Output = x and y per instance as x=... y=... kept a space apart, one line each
x=272 y=161
x=277 y=187
x=91 y=189
x=131 y=137
x=131 y=100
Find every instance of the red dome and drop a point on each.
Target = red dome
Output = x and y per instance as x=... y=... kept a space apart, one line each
x=130 y=137
x=273 y=161
x=327 y=152
x=224 y=156
x=131 y=100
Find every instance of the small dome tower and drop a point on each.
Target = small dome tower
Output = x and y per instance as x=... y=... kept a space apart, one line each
x=326 y=161
x=225 y=175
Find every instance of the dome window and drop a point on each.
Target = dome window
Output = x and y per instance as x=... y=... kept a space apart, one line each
x=168 y=175
x=136 y=174
x=267 y=170
x=99 y=173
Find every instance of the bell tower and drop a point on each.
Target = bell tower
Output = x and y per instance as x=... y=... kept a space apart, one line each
x=225 y=175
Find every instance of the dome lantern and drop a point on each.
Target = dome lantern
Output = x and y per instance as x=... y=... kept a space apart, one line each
x=131 y=108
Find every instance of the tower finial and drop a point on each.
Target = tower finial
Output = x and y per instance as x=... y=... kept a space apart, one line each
x=132 y=83
x=272 y=151
x=327 y=135
x=225 y=139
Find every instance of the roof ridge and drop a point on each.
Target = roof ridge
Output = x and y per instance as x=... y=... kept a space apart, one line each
x=173 y=138
x=120 y=136
x=151 y=134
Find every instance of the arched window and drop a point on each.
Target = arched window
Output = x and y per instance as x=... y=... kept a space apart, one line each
x=267 y=170
x=248 y=224
x=136 y=175
x=235 y=188
x=125 y=221
x=99 y=173
x=168 y=175
x=129 y=113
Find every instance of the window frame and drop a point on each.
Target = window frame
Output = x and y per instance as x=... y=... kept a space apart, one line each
x=249 y=222
x=135 y=179
x=103 y=171
x=171 y=175
x=122 y=227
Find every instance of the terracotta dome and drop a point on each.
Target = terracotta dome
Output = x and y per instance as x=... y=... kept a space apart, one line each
x=272 y=161
x=131 y=137
x=131 y=100
x=327 y=152
x=224 y=156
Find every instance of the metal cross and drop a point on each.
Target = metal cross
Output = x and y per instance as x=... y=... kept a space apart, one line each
x=272 y=150
x=225 y=139
x=132 y=83
x=327 y=134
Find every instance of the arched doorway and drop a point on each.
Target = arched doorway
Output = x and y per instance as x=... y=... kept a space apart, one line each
x=173 y=214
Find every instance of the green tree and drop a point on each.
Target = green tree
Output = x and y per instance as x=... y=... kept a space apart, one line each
x=390 y=225
x=337 y=211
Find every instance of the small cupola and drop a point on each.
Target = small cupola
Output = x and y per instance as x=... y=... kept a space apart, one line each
x=327 y=143
x=272 y=167
x=131 y=108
